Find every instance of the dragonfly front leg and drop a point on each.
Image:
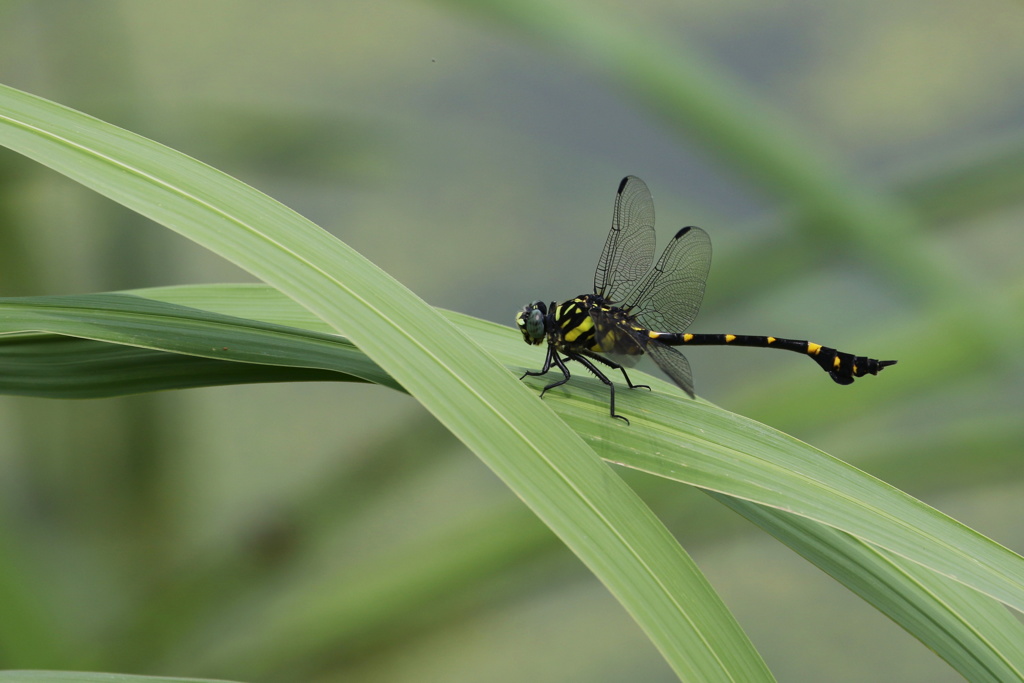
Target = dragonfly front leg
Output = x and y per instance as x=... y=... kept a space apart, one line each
x=551 y=359
x=553 y=356
x=543 y=370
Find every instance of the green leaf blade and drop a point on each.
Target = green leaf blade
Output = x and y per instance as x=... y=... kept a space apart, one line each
x=550 y=468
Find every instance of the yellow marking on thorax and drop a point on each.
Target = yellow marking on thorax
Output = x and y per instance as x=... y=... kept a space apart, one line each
x=813 y=349
x=835 y=363
x=730 y=338
x=584 y=327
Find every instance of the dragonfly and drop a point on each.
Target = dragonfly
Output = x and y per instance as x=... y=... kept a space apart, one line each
x=636 y=309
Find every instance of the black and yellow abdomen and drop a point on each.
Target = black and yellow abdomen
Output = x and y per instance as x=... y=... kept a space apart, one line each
x=842 y=367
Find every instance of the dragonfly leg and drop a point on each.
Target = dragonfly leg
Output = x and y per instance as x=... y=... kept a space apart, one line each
x=618 y=366
x=554 y=359
x=548 y=362
x=582 y=360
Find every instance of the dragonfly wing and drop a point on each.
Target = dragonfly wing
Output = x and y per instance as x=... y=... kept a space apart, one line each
x=614 y=337
x=667 y=300
x=629 y=250
x=674 y=364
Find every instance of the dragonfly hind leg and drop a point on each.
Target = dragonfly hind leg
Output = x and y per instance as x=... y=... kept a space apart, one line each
x=618 y=366
x=582 y=360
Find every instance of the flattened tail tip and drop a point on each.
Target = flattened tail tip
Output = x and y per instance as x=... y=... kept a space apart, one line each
x=841 y=378
x=865 y=366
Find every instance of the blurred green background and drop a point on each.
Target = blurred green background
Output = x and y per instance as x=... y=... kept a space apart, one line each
x=859 y=166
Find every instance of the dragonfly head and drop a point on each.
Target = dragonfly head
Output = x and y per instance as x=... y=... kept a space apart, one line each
x=532 y=322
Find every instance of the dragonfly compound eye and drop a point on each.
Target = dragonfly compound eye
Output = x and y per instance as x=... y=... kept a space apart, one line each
x=535 y=324
x=531 y=322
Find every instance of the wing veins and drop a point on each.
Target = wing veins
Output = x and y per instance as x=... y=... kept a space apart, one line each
x=629 y=249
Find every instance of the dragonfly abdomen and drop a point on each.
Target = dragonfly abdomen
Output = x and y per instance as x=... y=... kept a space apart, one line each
x=842 y=367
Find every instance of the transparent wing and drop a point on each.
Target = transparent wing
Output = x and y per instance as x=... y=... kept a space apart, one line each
x=616 y=339
x=674 y=364
x=667 y=300
x=629 y=250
